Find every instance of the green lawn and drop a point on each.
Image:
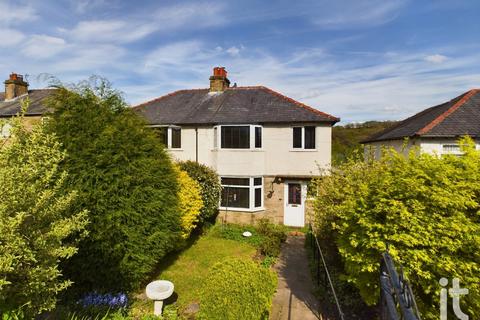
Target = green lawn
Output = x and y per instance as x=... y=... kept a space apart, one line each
x=188 y=269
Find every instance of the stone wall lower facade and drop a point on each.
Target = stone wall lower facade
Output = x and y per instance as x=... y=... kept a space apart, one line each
x=274 y=205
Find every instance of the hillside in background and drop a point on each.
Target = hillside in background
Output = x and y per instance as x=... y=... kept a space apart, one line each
x=346 y=139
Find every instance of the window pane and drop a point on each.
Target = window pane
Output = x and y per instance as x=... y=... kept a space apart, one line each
x=258 y=197
x=309 y=137
x=297 y=137
x=294 y=193
x=451 y=148
x=257 y=181
x=176 y=138
x=162 y=135
x=258 y=137
x=235 y=137
x=234 y=197
x=236 y=181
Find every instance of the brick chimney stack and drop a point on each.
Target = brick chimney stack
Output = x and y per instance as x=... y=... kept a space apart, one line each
x=15 y=86
x=219 y=81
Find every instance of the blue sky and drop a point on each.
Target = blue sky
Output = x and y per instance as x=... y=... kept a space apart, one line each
x=359 y=60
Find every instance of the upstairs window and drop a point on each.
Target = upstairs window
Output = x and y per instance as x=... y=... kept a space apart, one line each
x=451 y=148
x=258 y=137
x=238 y=137
x=5 y=130
x=235 y=137
x=176 y=142
x=304 y=137
x=170 y=137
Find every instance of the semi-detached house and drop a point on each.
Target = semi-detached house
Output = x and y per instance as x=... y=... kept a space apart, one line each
x=265 y=146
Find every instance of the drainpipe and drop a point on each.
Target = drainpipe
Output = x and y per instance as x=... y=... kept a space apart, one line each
x=196 y=144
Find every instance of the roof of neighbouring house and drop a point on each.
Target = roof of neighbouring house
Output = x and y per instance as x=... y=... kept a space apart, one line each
x=457 y=117
x=13 y=107
x=234 y=105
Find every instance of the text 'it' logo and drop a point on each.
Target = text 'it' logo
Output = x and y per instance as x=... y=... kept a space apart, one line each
x=455 y=292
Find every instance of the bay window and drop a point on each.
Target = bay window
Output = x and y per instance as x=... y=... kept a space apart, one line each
x=242 y=193
x=304 y=137
x=238 y=137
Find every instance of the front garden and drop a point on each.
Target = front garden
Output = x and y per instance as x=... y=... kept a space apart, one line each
x=92 y=208
x=198 y=270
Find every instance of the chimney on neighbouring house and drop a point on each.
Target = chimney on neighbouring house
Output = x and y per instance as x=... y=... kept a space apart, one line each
x=15 y=86
x=219 y=81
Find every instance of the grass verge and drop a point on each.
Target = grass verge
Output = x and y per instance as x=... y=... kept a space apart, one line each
x=188 y=269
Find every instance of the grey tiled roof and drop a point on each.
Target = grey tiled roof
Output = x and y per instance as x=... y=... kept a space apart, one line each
x=234 y=105
x=12 y=107
x=460 y=116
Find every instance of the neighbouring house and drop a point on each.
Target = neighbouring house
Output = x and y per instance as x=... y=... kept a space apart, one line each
x=435 y=130
x=265 y=146
x=16 y=91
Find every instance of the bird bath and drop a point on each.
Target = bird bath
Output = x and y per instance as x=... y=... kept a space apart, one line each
x=158 y=291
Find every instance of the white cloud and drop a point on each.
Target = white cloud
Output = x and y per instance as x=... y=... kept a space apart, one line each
x=165 y=19
x=10 y=37
x=43 y=46
x=117 y=31
x=82 y=6
x=352 y=14
x=436 y=58
x=234 y=51
x=190 y=15
x=14 y=14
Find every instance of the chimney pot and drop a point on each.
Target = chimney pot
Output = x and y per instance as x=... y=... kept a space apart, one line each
x=219 y=81
x=15 y=86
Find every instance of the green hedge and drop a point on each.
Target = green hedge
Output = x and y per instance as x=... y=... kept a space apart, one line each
x=124 y=178
x=210 y=188
x=38 y=222
x=425 y=207
x=237 y=289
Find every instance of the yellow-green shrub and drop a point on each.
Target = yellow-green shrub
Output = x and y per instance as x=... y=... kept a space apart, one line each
x=189 y=202
x=237 y=289
x=425 y=207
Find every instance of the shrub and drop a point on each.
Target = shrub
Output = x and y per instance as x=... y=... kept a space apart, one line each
x=125 y=179
x=272 y=237
x=424 y=206
x=237 y=289
x=189 y=202
x=37 y=222
x=210 y=188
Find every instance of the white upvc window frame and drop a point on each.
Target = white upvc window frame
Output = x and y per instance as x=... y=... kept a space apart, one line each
x=218 y=136
x=169 y=135
x=252 y=187
x=5 y=130
x=302 y=148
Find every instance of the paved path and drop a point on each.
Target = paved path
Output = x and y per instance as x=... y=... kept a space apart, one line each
x=294 y=299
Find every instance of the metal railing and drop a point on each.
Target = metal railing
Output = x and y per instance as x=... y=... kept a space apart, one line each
x=321 y=267
x=396 y=297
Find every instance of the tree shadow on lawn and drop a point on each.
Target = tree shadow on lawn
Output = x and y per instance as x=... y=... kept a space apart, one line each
x=166 y=262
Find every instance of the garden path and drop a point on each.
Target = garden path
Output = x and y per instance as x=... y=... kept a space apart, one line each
x=294 y=298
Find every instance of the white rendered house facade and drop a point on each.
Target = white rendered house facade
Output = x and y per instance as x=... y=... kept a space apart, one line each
x=264 y=146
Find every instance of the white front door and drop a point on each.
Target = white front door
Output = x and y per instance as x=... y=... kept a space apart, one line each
x=294 y=211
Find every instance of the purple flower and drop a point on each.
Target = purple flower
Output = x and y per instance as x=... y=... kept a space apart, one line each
x=110 y=300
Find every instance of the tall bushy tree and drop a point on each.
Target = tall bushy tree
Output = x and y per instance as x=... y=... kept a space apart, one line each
x=425 y=207
x=125 y=179
x=37 y=219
